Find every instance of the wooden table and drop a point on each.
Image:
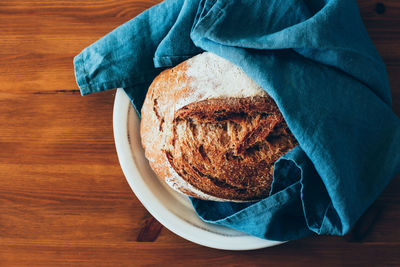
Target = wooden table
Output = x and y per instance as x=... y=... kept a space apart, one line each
x=63 y=196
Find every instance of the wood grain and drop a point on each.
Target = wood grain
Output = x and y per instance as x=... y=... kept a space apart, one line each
x=63 y=197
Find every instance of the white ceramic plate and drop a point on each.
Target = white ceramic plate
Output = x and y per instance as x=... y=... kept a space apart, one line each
x=170 y=208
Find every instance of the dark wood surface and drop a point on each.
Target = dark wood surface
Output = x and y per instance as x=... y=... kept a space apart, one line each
x=63 y=196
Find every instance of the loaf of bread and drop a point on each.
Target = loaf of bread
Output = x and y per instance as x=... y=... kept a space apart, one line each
x=209 y=131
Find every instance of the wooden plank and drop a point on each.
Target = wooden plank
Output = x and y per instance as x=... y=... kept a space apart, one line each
x=297 y=253
x=63 y=197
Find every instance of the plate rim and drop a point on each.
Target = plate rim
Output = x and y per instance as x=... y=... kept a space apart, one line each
x=167 y=218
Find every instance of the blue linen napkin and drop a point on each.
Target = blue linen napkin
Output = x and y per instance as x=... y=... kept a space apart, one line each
x=315 y=59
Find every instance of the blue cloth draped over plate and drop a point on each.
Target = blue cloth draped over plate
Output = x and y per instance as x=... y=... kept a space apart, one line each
x=315 y=59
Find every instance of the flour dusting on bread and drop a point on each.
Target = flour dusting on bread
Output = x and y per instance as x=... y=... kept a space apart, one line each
x=212 y=76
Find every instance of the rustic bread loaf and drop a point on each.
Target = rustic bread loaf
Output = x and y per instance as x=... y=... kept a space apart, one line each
x=211 y=132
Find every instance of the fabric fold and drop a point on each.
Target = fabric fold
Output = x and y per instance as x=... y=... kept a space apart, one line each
x=355 y=113
x=124 y=57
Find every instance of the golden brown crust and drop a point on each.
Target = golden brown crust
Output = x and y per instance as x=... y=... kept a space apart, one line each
x=156 y=122
x=219 y=149
x=227 y=147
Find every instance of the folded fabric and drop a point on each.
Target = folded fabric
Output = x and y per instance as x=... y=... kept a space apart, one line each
x=315 y=59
